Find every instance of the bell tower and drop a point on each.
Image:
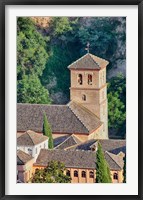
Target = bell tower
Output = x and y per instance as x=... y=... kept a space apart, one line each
x=89 y=87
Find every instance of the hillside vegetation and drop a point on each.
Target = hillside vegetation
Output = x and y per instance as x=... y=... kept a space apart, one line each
x=46 y=46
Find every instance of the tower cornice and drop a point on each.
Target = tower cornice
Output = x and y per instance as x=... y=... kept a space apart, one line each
x=87 y=88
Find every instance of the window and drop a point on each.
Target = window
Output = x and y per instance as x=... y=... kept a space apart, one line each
x=89 y=79
x=115 y=176
x=83 y=174
x=91 y=174
x=84 y=97
x=68 y=173
x=30 y=151
x=44 y=145
x=79 y=79
x=75 y=173
x=36 y=150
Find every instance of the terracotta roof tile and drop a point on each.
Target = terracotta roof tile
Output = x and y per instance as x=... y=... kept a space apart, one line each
x=71 y=118
x=88 y=119
x=78 y=159
x=115 y=161
x=30 y=138
x=23 y=158
x=69 y=141
x=88 y=61
x=111 y=145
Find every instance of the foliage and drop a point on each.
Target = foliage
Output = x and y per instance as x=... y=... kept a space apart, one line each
x=60 y=25
x=53 y=173
x=117 y=104
x=30 y=90
x=46 y=53
x=56 y=66
x=48 y=132
x=69 y=37
x=31 y=49
x=102 y=168
x=124 y=170
x=31 y=59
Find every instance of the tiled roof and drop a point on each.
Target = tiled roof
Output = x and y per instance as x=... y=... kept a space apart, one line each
x=88 y=61
x=71 y=118
x=83 y=146
x=30 y=138
x=114 y=146
x=23 y=158
x=77 y=159
x=69 y=141
x=59 y=140
x=88 y=119
x=115 y=161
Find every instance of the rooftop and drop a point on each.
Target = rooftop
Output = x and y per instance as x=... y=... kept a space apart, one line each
x=110 y=145
x=88 y=61
x=23 y=158
x=77 y=159
x=67 y=141
x=30 y=138
x=71 y=118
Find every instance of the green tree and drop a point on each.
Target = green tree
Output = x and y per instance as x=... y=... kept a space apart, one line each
x=124 y=169
x=53 y=173
x=117 y=105
x=60 y=25
x=31 y=49
x=30 y=90
x=48 y=132
x=102 y=168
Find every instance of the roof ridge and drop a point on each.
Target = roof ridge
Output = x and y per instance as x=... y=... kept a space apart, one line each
x=36 y=104
x=112 y=158
x=78 y=117
x=30 y=136
x=71 y=146
x=86 y=109
x=75 y=137
x=94 y=60
x=77 y=60
x=99 y=58
x=63 y=142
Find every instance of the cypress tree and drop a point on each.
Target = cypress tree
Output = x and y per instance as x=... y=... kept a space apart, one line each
x=102 y=168
x=124 y=170
x=48 y=132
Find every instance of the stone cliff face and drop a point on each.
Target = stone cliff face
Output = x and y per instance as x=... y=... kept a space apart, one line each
x=41 y=21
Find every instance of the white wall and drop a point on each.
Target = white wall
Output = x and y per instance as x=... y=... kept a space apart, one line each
x=34 y=150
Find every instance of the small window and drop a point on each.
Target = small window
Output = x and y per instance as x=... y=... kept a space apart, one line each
x=79 y=79
x=84 y=97
x=91 y=174
x=68 y=173
x=75 y=173
x=44 y=145
x=30 y=151
x=36 y=150
x=115 y=176
x=83 y=174
x=89 y=79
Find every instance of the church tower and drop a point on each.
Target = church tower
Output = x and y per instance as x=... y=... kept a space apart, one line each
x=89 y=87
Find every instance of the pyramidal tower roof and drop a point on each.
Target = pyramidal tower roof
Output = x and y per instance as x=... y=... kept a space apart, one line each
x=89 y=61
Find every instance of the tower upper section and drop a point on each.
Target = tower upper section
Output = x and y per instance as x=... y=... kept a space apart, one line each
x=88 y=72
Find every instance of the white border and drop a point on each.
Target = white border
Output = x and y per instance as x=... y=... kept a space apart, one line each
x=131 y=187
